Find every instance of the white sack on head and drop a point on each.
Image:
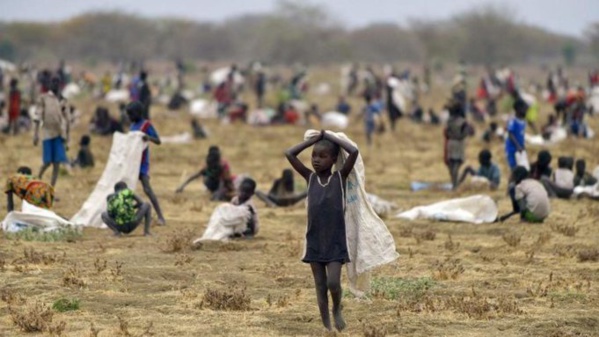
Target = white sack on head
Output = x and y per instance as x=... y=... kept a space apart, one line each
x=334 y=120
x=476 y=209
x=220 y=75
x=202 y=108
x=123 y=165
x=369 y=242
x=33 y=217
x=226 y=220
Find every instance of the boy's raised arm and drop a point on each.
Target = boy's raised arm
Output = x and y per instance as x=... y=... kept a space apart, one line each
x=350 y=149
x=293 y=152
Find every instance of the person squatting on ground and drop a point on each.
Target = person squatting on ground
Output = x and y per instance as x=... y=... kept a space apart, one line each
x=217 y=176
x=135 y=112
x=246 y=191
x=54 y=122
x=85 y=158
x=125 y=211
x=282 y=193
x=26 y=187
x=456 y=132
x=529 y=198
x=487 y=170
x=326 y=241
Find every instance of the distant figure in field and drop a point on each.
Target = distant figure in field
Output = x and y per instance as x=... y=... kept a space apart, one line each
x=54 y=122
x=85 y=158
x=26 y=187
x=217 y=176
x=371 y=114
x=582 y=177
x=14 y=106
x=126 y=211
x=455 y=134
x=342 y=106
x=529 y=198
x=135 y=112
x=488 y=170
x=282 y=193
x=516 y=129
x=145 y=95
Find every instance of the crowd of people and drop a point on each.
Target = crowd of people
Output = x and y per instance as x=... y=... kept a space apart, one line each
x=530 y=186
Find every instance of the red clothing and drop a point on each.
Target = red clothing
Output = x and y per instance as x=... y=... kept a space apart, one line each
x=14 y=104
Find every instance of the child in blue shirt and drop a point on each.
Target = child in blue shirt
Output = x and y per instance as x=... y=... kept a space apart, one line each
x=516 y=128
x=371 y=112
x=343 y=106
x=135 y=112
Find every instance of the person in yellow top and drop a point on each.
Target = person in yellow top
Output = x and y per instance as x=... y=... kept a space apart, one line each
x=24 y=186
x=106 y=83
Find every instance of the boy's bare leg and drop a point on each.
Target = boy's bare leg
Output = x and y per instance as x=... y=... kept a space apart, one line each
x=262 y=196
x=55 y=171
x=320 y=281
x=110 y=223
x=334 y=286
x=144 y=212
x=145 y=181
x=43 y=170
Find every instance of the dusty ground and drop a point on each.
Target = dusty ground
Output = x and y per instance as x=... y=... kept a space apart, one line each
x=466 y=281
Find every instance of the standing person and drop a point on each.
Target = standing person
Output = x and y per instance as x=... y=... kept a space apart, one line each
x=516 y=128
x=54 y=122
x=393 y=109
x=456 y=132
x=326 y=241
x=138 y=123
x=145 y=95
x=371 y=112
x=260 y=88
x=14 y=106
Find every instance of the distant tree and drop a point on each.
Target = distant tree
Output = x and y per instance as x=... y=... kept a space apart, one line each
x=592 y=34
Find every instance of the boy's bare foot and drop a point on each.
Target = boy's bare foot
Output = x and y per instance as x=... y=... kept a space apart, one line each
x=327 y=324
x=339 y=321
x=161 y=222
x=148 y=234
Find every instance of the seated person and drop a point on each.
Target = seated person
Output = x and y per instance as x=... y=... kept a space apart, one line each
x=549 y=128
x=102 y=124
x=29 y=189
x=541 y=168
x=217 y=176
x=561 y=183
x=85 y=158
x=282 y=192
x=491 y=133
x=529 y=198
x=343 y=106
x=434 y=119
x=198 y=130
x=238 y=111
x=247 y=188
x=487 y=170
x=126 y=211
x=235 y=219
x=583 y=178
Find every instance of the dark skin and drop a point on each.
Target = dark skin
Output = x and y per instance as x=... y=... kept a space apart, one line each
x=327 y=276
x=136 y=116
x=10 y=203
x=144 y=212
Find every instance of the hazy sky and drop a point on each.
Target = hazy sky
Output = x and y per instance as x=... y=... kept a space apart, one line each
x=564 y=16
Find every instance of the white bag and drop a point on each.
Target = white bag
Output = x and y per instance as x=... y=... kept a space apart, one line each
x=522 y=159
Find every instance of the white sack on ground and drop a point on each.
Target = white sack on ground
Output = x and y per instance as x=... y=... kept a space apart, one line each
x=383 y=208
x=369 y=242
x=33 y=217
x=226 y=220
x=557 y=136
x=182 y=138
x=591 y=191
x=117 y=96
x=476 y=209
x=123 y=165
x=334 y=120
x=202 y=108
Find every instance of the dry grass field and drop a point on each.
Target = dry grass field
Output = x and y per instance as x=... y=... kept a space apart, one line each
x=452 y=279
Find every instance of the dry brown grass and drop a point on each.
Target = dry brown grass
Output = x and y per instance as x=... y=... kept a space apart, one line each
x=161 y=279
x=226 y=299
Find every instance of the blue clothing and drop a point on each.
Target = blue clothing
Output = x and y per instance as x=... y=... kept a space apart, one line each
x=516 y=127
x=54 y=151
x=491 y=172
x=370 y=112
x=146 y=127
x=344 y=108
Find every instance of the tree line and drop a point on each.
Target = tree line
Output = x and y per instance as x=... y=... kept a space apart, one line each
x=295 y=32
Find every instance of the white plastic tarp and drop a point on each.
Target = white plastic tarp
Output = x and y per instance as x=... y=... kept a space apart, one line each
x=475 y=209
x=123 y=165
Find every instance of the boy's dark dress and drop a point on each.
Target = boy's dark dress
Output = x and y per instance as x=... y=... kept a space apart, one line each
x=325 y=239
